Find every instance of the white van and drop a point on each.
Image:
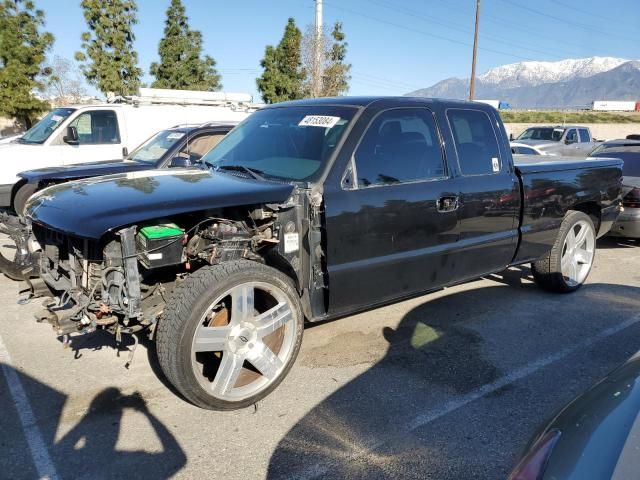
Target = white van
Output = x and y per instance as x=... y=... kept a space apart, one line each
x=90 y=133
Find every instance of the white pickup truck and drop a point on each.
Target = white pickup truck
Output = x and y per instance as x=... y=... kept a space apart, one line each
x=90 y=133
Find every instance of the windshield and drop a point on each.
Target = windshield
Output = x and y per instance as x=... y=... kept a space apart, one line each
x=46 y=126
x=544 y=133
x=291 y=143
x=154 y=149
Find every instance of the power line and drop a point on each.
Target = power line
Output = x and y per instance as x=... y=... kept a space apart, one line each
x=382 y=79
x=507 y=23
x=585 y=12
x=383 y=83
x=428 y=34
x=456 y=27
x=585 y=26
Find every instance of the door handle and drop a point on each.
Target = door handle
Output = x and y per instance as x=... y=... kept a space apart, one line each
x=447 y=204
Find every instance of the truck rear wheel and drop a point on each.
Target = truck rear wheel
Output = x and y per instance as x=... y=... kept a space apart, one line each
x=230 y=334
x=566 y=267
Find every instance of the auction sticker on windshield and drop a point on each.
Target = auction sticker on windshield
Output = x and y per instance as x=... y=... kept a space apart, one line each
x=324 y=121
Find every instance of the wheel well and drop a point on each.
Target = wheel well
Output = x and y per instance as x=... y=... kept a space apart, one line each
x=281 y=264
x=592 y=209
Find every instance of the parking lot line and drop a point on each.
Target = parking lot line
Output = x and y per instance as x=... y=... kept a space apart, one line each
x=318 y=470
x=39 y=453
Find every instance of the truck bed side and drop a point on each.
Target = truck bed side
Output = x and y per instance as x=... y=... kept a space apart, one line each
x=551 y=187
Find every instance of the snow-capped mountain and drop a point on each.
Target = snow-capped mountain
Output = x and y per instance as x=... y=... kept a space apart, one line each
x=536 y=73
x=566 y=83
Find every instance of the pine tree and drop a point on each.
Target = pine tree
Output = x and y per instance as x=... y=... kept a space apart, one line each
x=181 y=64
x=23 y=47
x=283 y=74
x=335 y=78
x=110 y=61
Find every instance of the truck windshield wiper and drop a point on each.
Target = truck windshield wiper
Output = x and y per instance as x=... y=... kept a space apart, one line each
x=254 y=172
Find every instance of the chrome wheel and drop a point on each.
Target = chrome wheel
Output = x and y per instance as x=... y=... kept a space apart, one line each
x=243 y=341
x=577 y=253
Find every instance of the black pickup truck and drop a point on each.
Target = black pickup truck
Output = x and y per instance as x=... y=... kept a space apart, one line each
x=310 y=210
x=180 y=146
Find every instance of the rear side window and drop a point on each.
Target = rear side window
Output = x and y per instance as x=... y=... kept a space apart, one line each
x=585 y=137
x=572 y=136
x=475 y=142
x=99 y=127
x=401 y=145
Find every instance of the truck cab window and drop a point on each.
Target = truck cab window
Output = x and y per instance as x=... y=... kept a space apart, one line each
x=401 y=145
x=572 y=136
x=99 y=127
x=475 y=142
x=585 y=137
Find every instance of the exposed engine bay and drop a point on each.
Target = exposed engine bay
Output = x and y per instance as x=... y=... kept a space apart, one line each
x=123 y=283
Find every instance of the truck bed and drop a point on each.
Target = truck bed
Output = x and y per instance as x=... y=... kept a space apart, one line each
x=552 y=185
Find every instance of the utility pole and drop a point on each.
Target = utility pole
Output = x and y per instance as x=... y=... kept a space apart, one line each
x=317 y=63
x=472 y=82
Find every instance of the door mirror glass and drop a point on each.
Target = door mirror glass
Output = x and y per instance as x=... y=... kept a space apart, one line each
x=180 y=162
x=72 y=136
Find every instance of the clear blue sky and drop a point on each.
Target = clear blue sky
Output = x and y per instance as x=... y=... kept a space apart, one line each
x=395 y=46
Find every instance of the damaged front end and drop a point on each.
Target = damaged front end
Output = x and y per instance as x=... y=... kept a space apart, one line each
x=123 y=283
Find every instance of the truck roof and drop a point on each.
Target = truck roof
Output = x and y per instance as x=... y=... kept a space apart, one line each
x=365 y=101
x=564 y=127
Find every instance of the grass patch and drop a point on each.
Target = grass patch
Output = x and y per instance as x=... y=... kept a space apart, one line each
x=514 y=116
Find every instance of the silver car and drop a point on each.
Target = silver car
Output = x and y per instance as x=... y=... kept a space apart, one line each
x=628 y=223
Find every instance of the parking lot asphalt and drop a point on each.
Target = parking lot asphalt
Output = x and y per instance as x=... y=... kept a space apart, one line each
x=445 y=386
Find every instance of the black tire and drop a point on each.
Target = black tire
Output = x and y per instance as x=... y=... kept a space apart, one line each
x=547 y=271
x=186 y=307
x=21 y=197
x=22 y=265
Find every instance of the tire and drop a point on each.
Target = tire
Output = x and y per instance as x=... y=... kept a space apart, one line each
x=566 y=267
x=242 y=357
x=21 y=197
x=16 y=262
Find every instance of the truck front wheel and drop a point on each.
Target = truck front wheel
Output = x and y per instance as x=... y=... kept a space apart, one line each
x=230 y=334
x=566 y=267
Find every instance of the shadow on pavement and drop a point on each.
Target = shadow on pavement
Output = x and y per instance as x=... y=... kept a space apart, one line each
x=363 y=430
x=89 y=449
x=610 y=242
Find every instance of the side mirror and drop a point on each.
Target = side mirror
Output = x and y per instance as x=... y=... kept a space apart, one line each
x=72 y=136
x=511 y=137
x=180 y=162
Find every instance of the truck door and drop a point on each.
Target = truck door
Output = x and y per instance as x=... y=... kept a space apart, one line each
x=585 y=144
x=571 y=144
x=98 y=139
x=392 y=222
x=489 y=194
